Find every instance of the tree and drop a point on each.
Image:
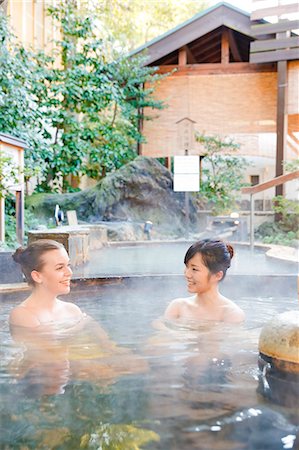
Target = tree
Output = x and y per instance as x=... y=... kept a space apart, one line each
x=8 y=173
x=93 y=100
x=131 y=23
x=20 y=114
x=222 y=173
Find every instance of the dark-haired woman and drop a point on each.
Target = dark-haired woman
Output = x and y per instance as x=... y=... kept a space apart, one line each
x=206 y=264
x=46 y=266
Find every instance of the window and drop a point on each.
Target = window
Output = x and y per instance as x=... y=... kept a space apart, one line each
x=254 y=179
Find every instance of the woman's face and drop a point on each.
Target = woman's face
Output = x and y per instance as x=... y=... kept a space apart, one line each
x=55 y=274
x=199 y=278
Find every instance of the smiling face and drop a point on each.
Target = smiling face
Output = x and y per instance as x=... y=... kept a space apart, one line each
x=199 y=278
x=55 y=273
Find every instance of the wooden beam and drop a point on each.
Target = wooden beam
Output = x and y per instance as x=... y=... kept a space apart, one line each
x=195 y=29
x=224 y=47
x=234 y=47
x=167 y=60
x=274 y=11
x=202 y=49
x=2 y=219
x=205 y=40
x=274 y=44
x=275 y=55
x=217 y=68
x=271 y=28
x=281 y=125
x=20 y=216
x=182 y=56
x=208 y=55
x=190 y=57
x=271 y=183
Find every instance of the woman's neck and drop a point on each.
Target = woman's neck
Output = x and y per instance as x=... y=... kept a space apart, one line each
x=42 y=297
x=210 y=298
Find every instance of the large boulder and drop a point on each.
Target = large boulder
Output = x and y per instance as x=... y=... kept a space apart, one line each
x=141 y=190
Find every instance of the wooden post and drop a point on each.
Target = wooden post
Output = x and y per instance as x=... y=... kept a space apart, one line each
x=187 y=210
x=224 y=47
x=168 y=162
x=20 y=216
x=281 y=120
x=182 y=56
x=2 y=219
x=251 y=223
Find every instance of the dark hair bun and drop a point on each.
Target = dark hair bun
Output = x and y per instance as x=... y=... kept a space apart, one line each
x=17 y=255
x=230 y=250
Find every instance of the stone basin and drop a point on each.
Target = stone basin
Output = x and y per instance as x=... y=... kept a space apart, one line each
x=279 y=342
x=74 y=239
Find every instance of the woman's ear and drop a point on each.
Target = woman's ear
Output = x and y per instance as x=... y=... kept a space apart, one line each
x=35 y=275
x=219 y=275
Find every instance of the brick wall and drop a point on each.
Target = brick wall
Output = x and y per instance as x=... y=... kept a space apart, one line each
x=238 y=104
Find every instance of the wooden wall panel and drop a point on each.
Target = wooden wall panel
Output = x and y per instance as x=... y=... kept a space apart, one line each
x=293 y=88
x=224 y=104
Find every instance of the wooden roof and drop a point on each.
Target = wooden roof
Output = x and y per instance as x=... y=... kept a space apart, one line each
x=202 y=34
x=12 y=140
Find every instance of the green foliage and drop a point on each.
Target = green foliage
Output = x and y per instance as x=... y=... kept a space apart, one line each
x=285 y=231
x=271 y=233
x=222 y=174
x=20 y=114
x=93 y=102
x=132 y=23
x=291 y=166
x=8 y=173
x=30 y=222
x=78 y=109
x=288 y=211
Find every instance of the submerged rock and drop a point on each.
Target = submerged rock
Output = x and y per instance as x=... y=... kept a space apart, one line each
x=141 y=190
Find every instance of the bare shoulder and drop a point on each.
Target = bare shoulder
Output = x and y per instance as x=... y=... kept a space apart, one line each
x=70 y=308
x=232 y=312
x=173 y=310
x=23 y=317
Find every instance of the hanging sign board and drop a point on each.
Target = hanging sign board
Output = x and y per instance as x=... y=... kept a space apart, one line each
x=186 y=174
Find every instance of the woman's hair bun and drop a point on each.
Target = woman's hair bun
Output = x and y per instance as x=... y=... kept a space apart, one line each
x=230 y=250
x=17 y=255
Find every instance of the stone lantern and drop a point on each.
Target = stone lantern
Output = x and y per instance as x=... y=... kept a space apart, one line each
x=14 y=148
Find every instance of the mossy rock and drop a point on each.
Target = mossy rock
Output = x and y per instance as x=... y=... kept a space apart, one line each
x=139 y=191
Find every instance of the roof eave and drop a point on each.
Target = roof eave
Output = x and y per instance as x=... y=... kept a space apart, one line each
x=221 y=14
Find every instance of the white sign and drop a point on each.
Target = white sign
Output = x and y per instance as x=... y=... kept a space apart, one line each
x=186 y=164
x=186 y=174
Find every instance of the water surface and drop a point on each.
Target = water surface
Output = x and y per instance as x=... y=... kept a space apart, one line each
x=183 y=388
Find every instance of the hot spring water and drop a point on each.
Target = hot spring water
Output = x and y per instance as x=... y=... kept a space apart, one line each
x=181 y=388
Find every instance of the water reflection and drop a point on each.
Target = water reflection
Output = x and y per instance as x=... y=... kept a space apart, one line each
x=50 y=356
x=196 y=388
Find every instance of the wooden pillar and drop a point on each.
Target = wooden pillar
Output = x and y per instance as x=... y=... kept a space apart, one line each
x=183 y=56
x=2 y=219
x=251 y=233
x=168 y=162
x=224 y=47
x=20 y=216
x=281 y=122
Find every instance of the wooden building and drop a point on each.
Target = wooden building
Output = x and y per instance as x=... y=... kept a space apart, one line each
x=31 y=22
x=234 y=74
x=13 y=148
x=221 y=90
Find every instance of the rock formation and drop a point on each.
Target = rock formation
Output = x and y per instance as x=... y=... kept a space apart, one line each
x=139 y=191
